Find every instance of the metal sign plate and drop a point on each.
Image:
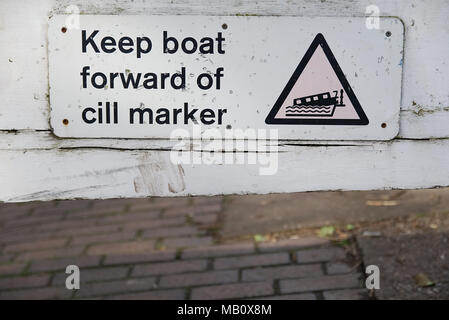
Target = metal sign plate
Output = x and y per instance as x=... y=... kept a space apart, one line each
x=321 y=78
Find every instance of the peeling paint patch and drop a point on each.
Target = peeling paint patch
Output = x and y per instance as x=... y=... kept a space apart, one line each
x=421 y=111
x=158 y=175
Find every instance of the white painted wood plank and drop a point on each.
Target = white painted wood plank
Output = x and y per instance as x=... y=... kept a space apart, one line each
x=417 y=124
x=424 y=123
x=87 y=173
x=23 y=65
x=23 y=82
x=45 y=140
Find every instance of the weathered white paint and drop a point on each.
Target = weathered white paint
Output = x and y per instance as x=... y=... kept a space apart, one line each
x=420 y=123
x=37 y=165
x=24 y=84
x=258 y=56
x=66 y=174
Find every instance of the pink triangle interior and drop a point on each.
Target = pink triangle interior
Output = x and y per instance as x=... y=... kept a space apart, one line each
x=317 y=93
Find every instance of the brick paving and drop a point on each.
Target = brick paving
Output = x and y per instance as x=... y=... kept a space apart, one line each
x=159 y=249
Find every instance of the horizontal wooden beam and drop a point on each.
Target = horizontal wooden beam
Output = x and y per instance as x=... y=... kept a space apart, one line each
x=109 y=173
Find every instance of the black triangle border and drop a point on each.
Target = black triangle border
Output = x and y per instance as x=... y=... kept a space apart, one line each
x=318 y=41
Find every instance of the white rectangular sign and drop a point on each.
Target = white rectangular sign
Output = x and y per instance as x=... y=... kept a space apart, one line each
x=321 y=78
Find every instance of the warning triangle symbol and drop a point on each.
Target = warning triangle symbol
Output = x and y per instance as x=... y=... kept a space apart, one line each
x=317 y=92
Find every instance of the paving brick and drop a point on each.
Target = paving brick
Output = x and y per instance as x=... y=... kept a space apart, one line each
x=233 y=291
x=284 y=272
x=207 y=200
x=251 y=261
x=10 y=211
x=219 y=250
x=46 y=208
x=192 y=210
x=172 y=202
x=159 y=204
x=126 y=217
x=115 y=287
x=198 y=278
x=145 y=257
x=88 y=230
x=170 y=232
x=61 y=264
x=33 y=221
x=351 y=294
x=24 y=282
x=169 y=267
x=130 y=247
x=36 y=245
x=4 y=258
x=37 y=294
x=320 y=283
x=320 y=255
x=12 y=268
x=209 y=218
x=336 y=267
x=301 y=296
x=93 y=213
x=8 y=216
x=43 y=213
x=91 y=275
x=291 y=244
x=209 y=208
x=178 y=211
x=116 y=204
x=63 y=225
x=187 y=242
x=145 y=206
x=177 y=294
x=74 y=204
x=103 y=238
x=156 y=223
x=52 y=253
x=19 y=235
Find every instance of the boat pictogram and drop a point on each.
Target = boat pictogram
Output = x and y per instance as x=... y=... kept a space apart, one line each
x=317 y=105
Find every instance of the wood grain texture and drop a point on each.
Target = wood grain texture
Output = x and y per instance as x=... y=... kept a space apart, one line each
x=97 y=173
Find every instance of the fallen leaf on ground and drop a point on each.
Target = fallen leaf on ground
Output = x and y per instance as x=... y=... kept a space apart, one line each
x=349 y=227
x=423 y=280
x=160 y=246
x=259 y=238
x=326 y=231
x=382 y=203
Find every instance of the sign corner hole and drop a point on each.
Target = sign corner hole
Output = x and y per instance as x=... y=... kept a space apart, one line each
x=388 y=34
x=224 y=26
x=383 y=125
x=63 y=29
x=65 y=122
